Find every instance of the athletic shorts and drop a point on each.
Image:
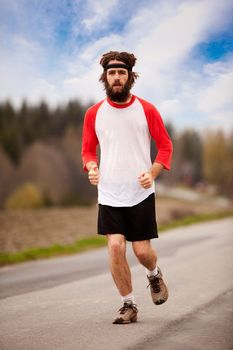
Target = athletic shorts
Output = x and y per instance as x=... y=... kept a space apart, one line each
x=136 y=223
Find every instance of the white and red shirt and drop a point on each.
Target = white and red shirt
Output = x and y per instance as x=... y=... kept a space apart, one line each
x=124 y=133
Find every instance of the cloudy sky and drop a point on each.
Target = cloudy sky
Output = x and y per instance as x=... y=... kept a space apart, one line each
x=51 y=50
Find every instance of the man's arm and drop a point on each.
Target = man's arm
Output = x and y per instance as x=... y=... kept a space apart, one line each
x=89 y=138
x=89 y=144
x=159 y=134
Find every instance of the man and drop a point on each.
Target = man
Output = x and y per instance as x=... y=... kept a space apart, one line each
x=122 y=125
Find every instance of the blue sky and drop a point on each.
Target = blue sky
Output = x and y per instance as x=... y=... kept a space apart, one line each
x=51 y=50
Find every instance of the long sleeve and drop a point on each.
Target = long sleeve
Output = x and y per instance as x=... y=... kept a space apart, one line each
x=159 y=134
x=89 y=138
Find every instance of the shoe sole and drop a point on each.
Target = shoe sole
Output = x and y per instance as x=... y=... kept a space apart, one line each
x=121 y=321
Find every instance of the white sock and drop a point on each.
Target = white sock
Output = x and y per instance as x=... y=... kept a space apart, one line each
x=129 y=298
x=152 y=273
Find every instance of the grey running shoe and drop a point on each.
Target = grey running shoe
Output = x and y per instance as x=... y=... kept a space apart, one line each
x=158 y=288
x=126 y=314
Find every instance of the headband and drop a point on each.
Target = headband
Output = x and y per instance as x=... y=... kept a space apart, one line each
x=118 y=65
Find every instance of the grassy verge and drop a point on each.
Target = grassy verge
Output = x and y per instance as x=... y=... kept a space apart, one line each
x=88 y=243
x=194 y=219
x=55 y=250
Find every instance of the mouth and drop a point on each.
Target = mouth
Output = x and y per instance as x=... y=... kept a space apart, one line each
x=117 y=86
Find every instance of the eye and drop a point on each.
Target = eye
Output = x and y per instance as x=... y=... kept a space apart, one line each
x=122 y=72
x=111 y=72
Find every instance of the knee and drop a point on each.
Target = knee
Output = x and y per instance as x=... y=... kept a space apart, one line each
x=116 y=248
x=142 y=255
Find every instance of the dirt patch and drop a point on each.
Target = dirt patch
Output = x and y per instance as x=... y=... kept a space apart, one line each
x=22 y=229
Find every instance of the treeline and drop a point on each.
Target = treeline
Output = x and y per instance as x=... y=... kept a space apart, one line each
x=21 y=127
x=40 y=158
x=204 y=159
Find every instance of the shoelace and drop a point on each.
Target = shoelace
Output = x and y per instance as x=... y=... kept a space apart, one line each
x=154 y=283
x=124 y=308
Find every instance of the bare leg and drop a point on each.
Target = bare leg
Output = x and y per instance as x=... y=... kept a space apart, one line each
x=145 y=253
x=118 y=264
x=148 y=258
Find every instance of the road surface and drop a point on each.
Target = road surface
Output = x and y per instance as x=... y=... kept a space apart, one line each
x=69 y=303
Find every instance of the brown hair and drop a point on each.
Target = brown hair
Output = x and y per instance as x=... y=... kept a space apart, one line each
x=128 y=58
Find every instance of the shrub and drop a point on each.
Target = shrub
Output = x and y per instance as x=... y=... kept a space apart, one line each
x=26 y=196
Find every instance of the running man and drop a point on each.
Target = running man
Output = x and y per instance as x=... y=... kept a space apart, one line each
x=122 y=125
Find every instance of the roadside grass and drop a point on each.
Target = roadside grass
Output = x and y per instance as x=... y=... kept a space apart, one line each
x=98 y=241
x=194 y=219
x=78 y=246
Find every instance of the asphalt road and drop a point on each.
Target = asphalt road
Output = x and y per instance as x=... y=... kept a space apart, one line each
x=69 y=303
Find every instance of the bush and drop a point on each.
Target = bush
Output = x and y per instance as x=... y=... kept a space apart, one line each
x=26 y=196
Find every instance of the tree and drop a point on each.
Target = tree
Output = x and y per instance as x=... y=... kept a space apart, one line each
x=9 y=132
x=188 y=157
x=218 y=161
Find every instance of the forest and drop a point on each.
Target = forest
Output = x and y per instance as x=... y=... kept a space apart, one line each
x=40 y=161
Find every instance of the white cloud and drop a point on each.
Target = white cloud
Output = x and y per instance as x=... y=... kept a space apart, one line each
x=18 y=68
x=98 y=13
x=223 y=119
x=41 y=88
x=218 y=94
x=85 y=60
x=77 y=87
x=161 y=35
x=170 y=107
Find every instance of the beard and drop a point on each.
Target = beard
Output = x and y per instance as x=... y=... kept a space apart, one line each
x=118 y=96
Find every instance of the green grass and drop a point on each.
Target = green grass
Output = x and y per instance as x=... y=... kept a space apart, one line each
x=88 y=243
x=55 y=250
x=194 y=219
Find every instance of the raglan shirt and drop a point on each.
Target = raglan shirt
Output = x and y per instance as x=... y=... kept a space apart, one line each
x=124 y=133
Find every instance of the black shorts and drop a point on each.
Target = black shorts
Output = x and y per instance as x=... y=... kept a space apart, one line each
x=136 y=223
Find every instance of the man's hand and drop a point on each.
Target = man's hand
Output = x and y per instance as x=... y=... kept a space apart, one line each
x=93 y=175
x=146 y=179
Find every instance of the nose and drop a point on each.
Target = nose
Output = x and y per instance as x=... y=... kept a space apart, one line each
x=116 y=75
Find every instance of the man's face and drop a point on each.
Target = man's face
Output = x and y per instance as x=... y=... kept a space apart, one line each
x=116 y=86
x=117 y=77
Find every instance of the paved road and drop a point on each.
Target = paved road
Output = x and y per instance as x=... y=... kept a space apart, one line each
x=69 y=303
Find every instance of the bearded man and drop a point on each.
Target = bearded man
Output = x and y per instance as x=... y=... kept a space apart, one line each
x=122 y=125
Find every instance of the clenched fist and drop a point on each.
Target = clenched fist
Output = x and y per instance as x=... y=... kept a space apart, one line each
x=146 y=179
x=93 y=175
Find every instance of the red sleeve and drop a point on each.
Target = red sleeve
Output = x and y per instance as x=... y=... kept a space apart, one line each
x=159 y=134
x=89 y=138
